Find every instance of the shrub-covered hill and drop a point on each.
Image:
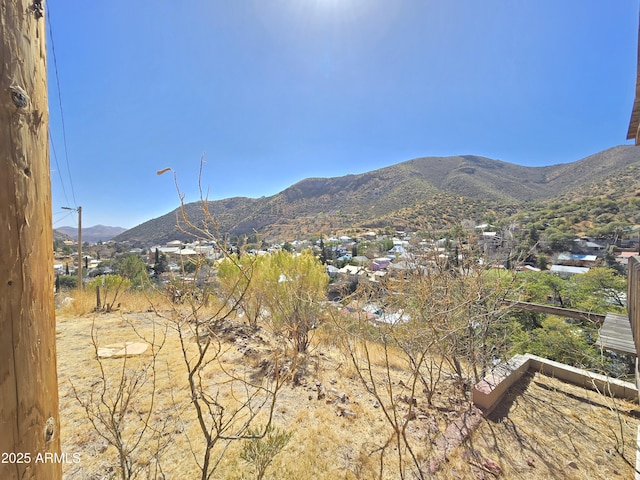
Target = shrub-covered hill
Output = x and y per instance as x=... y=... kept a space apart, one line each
x=434 y=191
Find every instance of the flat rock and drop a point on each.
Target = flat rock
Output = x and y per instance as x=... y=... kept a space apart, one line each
x=125 y=349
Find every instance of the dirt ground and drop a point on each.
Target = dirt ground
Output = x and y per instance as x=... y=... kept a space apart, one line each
x=544 y=428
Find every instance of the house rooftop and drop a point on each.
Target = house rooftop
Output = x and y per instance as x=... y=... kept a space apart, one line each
x=568 y=269
x=577 y=257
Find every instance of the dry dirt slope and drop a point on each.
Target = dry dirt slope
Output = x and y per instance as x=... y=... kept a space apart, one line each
x=545 y=429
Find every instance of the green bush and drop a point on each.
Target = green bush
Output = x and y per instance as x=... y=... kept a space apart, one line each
x=68 y=282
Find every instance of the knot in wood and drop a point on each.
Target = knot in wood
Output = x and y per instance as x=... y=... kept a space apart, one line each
x=49 y=429
x=19 y=97
x=37 y=9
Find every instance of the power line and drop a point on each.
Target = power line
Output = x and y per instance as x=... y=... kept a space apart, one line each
x=55 y=157
x=66 y=215
x=64 y=132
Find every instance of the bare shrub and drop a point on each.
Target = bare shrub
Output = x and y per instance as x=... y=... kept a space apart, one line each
x=226 y=401
x=444 y=320
x=120 y=406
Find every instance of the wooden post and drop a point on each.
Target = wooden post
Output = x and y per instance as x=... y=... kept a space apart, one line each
x=29 y=420
x=79 y=270
x=80 y=285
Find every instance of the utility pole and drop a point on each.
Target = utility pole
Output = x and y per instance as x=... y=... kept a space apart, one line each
x=29 y=417
x=79 y=210
x=80 y=248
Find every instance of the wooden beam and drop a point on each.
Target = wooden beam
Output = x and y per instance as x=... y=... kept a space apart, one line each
x=562 y=312
x=616 y=335
x=29 y=423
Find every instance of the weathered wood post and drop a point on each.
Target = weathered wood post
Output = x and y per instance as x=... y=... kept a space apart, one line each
x=80 y=285
x=79 y=272
x=29 y=423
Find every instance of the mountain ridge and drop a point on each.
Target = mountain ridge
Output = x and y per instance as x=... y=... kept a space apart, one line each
x=95 y=233
x=425 y=191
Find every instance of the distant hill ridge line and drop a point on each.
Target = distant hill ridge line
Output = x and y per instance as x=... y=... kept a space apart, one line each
x=427 y=190
x=92 y=234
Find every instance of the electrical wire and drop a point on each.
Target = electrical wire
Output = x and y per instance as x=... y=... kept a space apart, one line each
x=55 y=158
x=66 y=215
x=64 y=132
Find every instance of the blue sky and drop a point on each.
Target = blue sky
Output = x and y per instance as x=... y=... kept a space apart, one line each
x=275 y=91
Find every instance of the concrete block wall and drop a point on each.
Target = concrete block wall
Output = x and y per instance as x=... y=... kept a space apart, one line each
x=488 y=392
x=583 y=378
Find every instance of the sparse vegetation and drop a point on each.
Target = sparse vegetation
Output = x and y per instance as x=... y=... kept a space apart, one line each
x=329 y=445
x=120 y=406
x=261 y=451
x=108 y=289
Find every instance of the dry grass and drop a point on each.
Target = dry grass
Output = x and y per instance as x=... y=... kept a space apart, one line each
x=547 y=420
x=81 y=303
x=546 y=428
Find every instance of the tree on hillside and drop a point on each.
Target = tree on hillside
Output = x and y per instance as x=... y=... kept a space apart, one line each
x=559 y=341
x=323 y=252
x=558 y=240
x=242 y=281
x=286 y=246
x=545 y=287
x=605 y=226
x=385 y=245
x=610 y=261
x=161 y=264
x=294 y=285
x=132 y=267
x=68 y=282
x=600 y=290
x=533 y=236
x=541 y=261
